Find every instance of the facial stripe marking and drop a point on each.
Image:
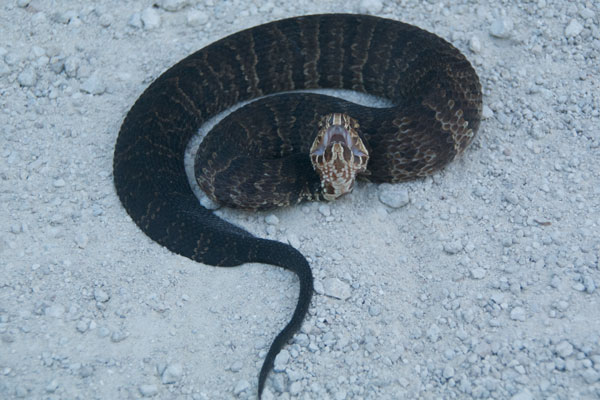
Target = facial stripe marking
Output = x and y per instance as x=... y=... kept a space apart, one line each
x=338 y=154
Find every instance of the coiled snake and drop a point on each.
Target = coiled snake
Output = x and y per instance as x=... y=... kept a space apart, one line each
x=266 y=155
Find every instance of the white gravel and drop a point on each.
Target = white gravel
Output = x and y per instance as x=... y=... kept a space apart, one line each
x=478 y=282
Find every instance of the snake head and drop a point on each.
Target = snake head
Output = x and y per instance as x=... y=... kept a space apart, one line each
x=338 y=154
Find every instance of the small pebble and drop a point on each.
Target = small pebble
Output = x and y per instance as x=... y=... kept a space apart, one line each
x=27 y=78
x=501 y=28
x=453 y=247
x=55 y=310
x=318 y=286
x=475 y=44
x=97 y=210
x=374 y=310
x=149 y=390
x=197 y=18
x=86 y=371
x=448 y=372
x=486 y=112
x=16 y=228
x=302 y=339
x=82 y=240
x=271 y=219
x=12 y=59
x=281 y=360
x=105 y=20
x=135 y=20
x=478 y=273
x=574 y=28
x=590 y=376
x=579 y=287
x=118 y=336
x=293 y=240
x=433 y=333
x=294 y=375
x=172 y=374
x=236 y=366
x=103 y=331
x=325 y=210
x=52 y=386
x=150 y=18
x=57 y=64
x=295 y=388
x=518 y=314
x=370 y=6
x=241 y=387
x=468 y=314
x=93 y=85
x=71 y=66
x=333 y=287
x=511 y=198
x=100 y=295
x=38 y=52
x=561 y=305
x=394 y=196
x=278 y=384
x=590 y=285
x=564 y=349
x=82 y=326
x=586 y=13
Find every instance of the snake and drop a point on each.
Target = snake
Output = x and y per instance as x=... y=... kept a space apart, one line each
x=288 y=145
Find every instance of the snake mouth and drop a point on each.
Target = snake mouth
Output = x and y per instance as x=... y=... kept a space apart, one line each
x=333 y=134
x=338 y=154
x=337 y=134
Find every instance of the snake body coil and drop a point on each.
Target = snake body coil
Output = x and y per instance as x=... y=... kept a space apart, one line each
x=257 y=158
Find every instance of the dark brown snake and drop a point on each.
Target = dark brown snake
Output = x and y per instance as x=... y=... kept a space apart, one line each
x=258 y=158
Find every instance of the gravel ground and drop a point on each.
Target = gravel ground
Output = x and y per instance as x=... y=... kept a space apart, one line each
x=479 y=282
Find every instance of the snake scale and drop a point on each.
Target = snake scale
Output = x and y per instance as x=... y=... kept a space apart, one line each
x=258 y=157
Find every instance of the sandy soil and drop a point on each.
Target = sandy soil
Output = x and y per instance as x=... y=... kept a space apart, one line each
x=481 y=283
